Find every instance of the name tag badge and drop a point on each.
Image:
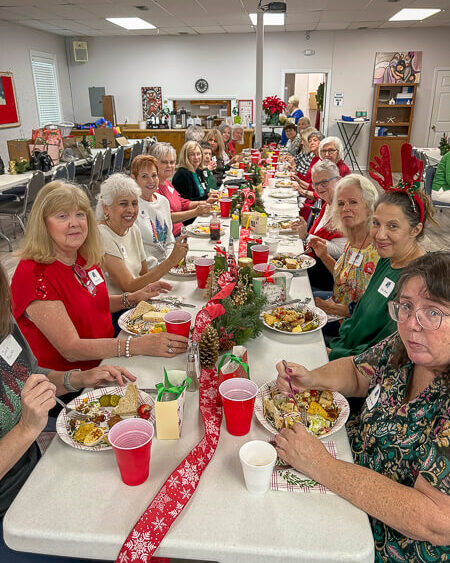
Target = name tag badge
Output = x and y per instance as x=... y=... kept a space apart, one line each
x=123 y=250
x=386 y=287
x=372 y=399
x=356 y=259
x=96 y=278
x=10 y=349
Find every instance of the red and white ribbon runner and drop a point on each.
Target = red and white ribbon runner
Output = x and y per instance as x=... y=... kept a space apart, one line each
x=176 y=492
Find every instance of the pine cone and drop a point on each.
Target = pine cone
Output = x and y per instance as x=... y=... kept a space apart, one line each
x=209 y=347
x=226 y=345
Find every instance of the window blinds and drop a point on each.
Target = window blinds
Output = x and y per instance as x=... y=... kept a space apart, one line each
x=46 y=86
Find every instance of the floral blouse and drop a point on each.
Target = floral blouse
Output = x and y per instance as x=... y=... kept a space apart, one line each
x=402 y=441
x=352 y=273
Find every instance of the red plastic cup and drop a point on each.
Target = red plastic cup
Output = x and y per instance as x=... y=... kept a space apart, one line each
x=238 y=398
x=276 y=152
x=202 y=266
x=131 y=440
x=255 y=159
x=260 y=254
x=232 y=190
x=178 y=322
x=274 y=159
x=242 y=166
x=262 y=268
x=225 y=206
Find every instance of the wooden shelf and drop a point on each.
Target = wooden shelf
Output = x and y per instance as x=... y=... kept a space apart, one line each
x=394 y=105
x=400 y=124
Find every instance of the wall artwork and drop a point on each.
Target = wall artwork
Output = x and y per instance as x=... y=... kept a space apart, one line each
x=151 y=101
x=392 y=68
x=9 y=113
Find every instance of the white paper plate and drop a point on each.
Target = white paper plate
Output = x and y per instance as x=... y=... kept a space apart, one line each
x=323 y=319
x=122 y=322
x=265 y=390
x=283 y=194
x=62 y=420
x=180 y=274
x=307 y=262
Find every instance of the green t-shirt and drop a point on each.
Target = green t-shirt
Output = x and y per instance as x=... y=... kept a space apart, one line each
x=441 y=179
x=370 y=322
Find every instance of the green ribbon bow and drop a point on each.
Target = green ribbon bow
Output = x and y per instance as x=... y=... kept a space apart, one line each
x=232 y=357
x=167 y=387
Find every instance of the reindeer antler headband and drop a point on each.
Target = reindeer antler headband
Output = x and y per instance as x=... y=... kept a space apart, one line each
x=411 y=174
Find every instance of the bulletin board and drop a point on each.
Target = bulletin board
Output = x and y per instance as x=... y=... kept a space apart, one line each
x=9 y=113
x=245 y=110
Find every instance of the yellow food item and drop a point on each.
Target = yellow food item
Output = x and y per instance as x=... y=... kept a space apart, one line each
x=315 y=408
x=154 y=316
x=94 y=437
x=291 y=264
x=157 y=330
x=83 y=431
x=270 y=319
x=297 y=328
x=141 y=308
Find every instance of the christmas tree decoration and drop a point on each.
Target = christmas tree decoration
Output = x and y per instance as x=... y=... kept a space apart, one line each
x=212 y=286
x=209 y=347
x=444 y=145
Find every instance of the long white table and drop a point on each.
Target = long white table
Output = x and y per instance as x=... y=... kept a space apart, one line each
x=75 y=504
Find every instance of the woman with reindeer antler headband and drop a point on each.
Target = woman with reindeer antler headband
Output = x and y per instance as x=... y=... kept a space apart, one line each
x=398 y=225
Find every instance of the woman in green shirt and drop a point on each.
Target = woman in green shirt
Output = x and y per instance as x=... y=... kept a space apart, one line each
x=441 y=181
x=397 y=227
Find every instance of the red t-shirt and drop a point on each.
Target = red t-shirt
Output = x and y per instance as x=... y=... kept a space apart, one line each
x=176 y=202
x=90 y=314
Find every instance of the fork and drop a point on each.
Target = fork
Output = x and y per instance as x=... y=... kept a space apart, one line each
x=72 y=413
x=301 y=408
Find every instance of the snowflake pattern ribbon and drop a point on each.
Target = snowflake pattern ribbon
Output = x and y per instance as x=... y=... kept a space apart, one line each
x=173 y=496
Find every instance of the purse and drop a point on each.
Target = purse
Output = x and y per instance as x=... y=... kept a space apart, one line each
x=2 y=166
x=41 y=160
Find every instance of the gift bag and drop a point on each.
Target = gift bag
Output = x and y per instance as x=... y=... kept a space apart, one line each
x=233 y=364
x=258 y=223
x=169 y=405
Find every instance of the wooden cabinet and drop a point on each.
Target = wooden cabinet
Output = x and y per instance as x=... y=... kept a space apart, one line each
x=391 y=123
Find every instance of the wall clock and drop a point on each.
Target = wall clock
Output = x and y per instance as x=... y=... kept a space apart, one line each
x=201 y=85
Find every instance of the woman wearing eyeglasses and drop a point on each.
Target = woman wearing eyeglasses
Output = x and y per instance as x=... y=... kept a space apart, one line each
x=331 y=148
x=401 y=438
x=322 y=235
x=59 y=296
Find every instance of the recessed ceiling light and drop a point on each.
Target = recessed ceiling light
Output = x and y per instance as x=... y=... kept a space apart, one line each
x=269 y=19
x=131 y=23
x=414 y=14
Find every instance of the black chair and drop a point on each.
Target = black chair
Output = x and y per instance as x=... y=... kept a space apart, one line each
x=71 y=171
x=118 y=161
x=106 y=167
x=60 y=173
x=141 y=147
x=95 y=176
x=133 y=154
x=18 y=209
x=270 y=137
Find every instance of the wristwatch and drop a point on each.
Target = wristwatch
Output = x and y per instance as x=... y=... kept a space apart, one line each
x=67 y=384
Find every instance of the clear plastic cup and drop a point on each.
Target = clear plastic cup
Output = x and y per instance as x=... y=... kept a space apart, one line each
x=260 y=254
x=131 y=440
x=225 y=207
x=202 y=266
x=238 y=399
x=258 y=460
x=178 y=322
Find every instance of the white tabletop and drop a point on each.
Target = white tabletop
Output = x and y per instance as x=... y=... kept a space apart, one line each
x=75 y=504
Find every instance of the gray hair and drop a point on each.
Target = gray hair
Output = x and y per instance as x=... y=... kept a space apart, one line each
x=223 y=126
x=294 y=100
x=237 y=126
x=194 y=133
x=325 y=166
x=317 y=134
x=369 y=194
x=113 y=187
x=337 y=144
x=161 y=150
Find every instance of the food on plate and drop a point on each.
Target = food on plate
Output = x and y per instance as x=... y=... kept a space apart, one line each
x=154 y=316
x=184 y=267
x=149 y=321
x=321 y=410
x=129 y=403
x=291 y=319
x=83 y=430
x=282 y=175
x=93 y=437
x=144 y=411
x=284 y=184
x=290 y=262
x=114 y=419
x=233 y=172
x=140 y=310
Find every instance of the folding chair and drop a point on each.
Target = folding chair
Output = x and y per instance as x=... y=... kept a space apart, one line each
x=118 y=161
x=95 y=176
x=60 y=173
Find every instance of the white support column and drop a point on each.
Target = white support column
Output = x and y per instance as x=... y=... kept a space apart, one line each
x=259 y=77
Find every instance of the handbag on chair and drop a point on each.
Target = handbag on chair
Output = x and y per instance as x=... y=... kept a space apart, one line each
x=41 y=160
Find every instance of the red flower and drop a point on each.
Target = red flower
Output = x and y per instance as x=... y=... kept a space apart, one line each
x=369 y=268
x=273 y=104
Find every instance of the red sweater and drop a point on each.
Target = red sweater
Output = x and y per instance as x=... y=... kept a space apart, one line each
x=177 y=203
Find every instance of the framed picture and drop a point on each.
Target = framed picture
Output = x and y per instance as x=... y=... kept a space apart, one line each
x=151 y=101
x=392 y=68
x=245 y=110
x=9 y=112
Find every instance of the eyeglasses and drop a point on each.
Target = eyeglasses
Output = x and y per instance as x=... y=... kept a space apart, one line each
x=429 y=318
x=328 y=151
x=324 y=183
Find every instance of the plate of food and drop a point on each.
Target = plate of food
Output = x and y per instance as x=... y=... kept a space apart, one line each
x=285 y=226
x=199 y=230
x=294 y=319
x=283 y=193
x=145 y=318
x=326 y=411
x=105 y=407
x=185 y=268
x=290 y=261
x=282 y=174
x=284 y=184
x=233 y=172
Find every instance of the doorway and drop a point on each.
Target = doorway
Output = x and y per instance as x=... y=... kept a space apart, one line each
x=440 y=112
x=305 y=84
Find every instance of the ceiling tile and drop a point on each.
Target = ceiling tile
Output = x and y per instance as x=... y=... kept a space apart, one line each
x=326 y=26
x=370 y=25
x=210 y=29
x=239 y=28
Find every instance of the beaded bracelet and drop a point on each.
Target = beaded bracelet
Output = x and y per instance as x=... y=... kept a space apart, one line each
x=127 y=347
x=125 y=301
x=118 y=347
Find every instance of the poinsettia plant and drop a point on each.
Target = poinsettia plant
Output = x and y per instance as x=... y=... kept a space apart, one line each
x=273 y=104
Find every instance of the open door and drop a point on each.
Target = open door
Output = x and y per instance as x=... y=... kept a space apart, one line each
x=304 y=85
x=440 y=113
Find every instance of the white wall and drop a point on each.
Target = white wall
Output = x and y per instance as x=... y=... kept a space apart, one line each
x=123 y=65
x=16 y=42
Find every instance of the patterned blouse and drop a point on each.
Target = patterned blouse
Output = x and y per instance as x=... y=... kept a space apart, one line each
x=401 y=441
x=302 y=162
x=352 y=273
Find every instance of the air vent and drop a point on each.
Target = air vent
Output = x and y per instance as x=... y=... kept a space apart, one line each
x=142 y=8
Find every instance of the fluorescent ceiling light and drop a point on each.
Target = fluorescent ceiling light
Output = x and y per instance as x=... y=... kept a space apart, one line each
x=131 y=23
x=269 y=19
x=414 y=14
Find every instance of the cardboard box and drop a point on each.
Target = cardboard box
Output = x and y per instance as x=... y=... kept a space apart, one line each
x=104 y=138
x=18 y=148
